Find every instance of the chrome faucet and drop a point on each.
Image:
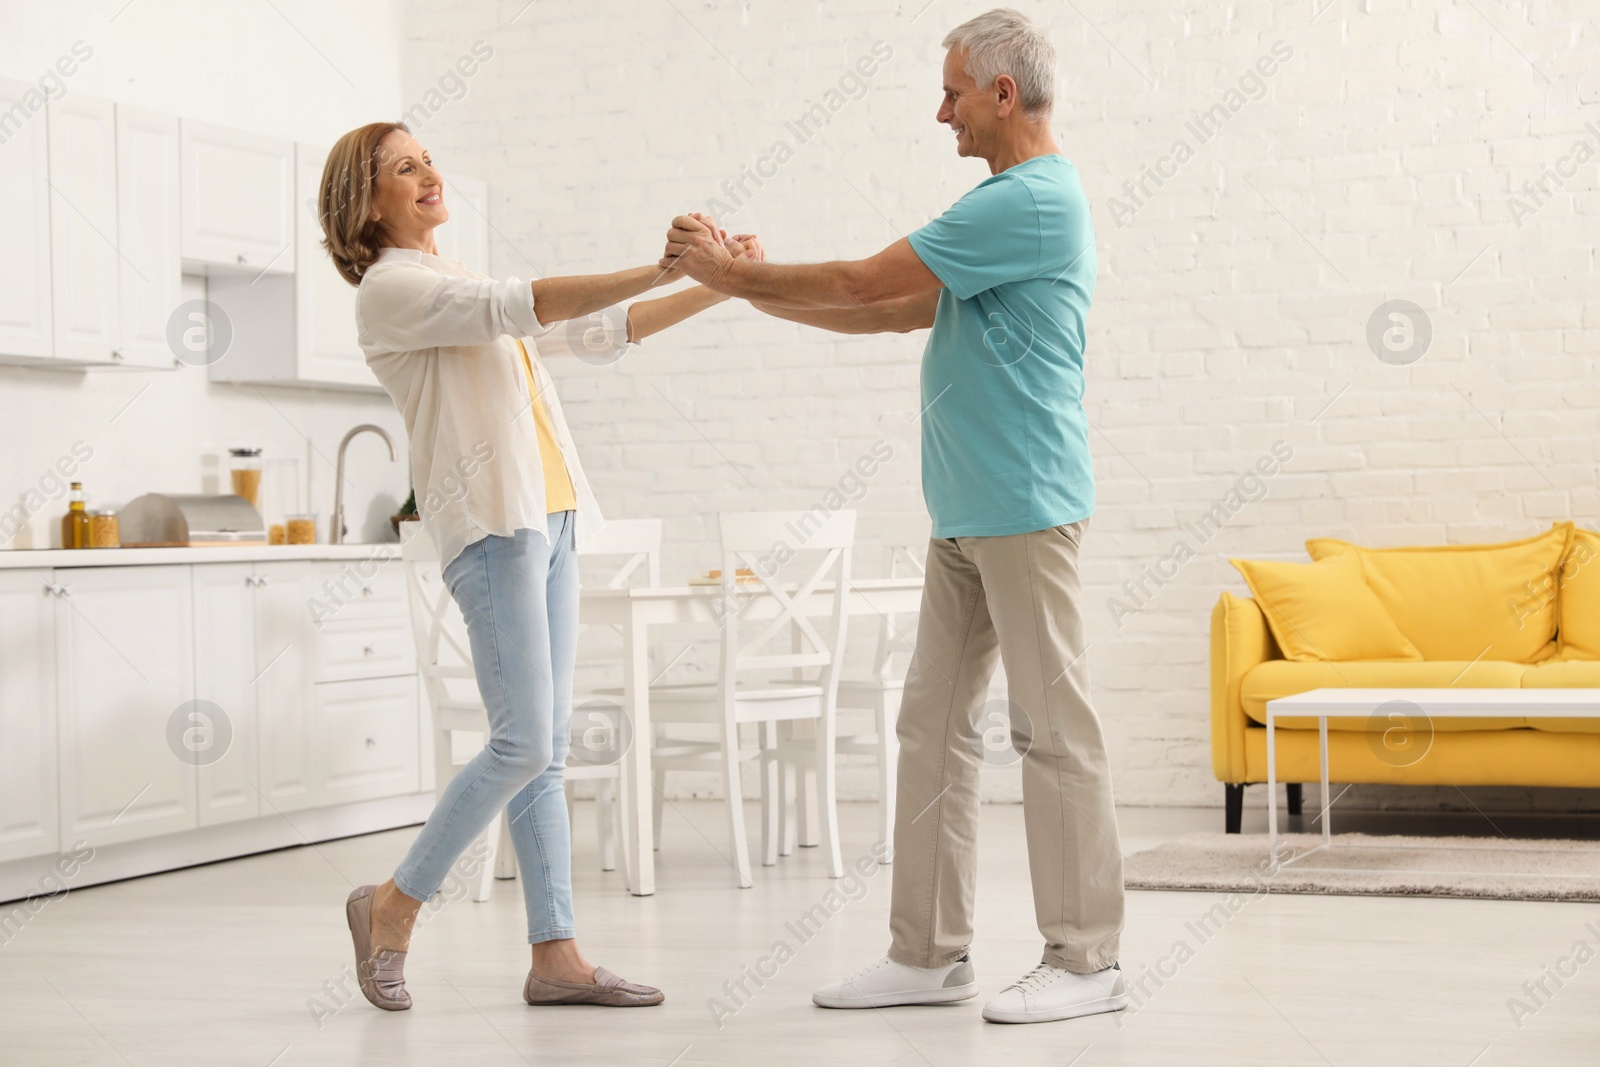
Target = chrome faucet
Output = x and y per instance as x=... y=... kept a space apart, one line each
x=336 y=534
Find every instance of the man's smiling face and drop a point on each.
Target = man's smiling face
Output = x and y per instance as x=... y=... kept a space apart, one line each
x=965 y=109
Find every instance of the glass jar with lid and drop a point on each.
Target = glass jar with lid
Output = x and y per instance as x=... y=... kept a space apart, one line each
x=105 y=529
x=245 y=470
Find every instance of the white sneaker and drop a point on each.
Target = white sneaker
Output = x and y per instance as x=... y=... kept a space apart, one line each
x=1049 y=993
x=887 y=983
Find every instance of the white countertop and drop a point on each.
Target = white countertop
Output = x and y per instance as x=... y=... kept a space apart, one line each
x=14 y=559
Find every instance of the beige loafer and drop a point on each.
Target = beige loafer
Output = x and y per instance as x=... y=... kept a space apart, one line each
x=608 y=990
x=381 y=974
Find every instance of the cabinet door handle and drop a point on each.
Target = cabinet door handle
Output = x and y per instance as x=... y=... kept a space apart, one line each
x=372 y=742
x=116 y=357
x=261 y=581
x=366 y=590
x=368 y=650
x=242 y=259
x=63 y=592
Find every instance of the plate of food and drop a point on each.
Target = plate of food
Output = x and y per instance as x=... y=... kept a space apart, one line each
x=742 y=576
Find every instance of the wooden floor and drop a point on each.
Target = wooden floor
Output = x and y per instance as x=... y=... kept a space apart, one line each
x=242 y=962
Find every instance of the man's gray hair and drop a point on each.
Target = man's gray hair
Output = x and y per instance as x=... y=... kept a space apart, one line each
x=1005 y=41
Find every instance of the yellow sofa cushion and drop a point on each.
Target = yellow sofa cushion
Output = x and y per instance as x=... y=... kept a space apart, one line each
x=1324 y=611
x=1564 y=674
x=1580 y=597
x=1281 y=678
x=1465 y=602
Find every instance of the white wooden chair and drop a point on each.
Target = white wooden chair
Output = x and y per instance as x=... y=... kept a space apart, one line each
x=637 y=541
x=758 y=684
x=444 y=662
x=600 y=730
x=879 y=691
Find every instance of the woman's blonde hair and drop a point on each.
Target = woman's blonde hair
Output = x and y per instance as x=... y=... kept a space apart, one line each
x=344 y=199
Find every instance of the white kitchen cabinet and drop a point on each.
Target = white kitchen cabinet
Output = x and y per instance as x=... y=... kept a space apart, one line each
x=167 y=713
x=113 y=272
x=124 y=672
x=28 y=824
x=298 y=330
x=366 y=739
x=148 y=236
x=25 y=304
x=253 y=651
x=238 y=200
x=466 y=235
x=365 y=648
x=224 y=676
x=84 y=266
x=285 y=637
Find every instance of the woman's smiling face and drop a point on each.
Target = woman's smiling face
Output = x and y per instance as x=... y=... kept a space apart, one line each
x=408 y=200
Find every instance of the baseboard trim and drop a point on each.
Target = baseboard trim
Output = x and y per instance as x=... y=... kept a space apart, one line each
x=41 y=876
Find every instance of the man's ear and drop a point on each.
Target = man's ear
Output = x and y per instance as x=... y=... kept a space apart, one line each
x=1005 y=88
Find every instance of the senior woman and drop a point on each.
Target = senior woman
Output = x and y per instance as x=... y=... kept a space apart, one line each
x=505 y=499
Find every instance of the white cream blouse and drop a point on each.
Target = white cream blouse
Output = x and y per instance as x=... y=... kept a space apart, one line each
x=442 y=341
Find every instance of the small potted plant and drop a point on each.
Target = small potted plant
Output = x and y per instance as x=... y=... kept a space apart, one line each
x=407 y=513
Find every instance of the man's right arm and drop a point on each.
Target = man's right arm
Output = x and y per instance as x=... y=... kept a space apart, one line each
x=907 y=313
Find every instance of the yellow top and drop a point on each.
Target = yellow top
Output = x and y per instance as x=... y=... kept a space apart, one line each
x=558 y=492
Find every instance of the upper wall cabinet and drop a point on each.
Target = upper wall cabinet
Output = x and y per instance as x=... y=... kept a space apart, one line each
x=238 y=200
x=25 y=315
x=111 y=219
x=83 y=225
x=148 y=235
x=298 y=330
x=108 y=205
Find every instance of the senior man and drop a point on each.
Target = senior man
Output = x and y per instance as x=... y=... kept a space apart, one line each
x=1004 y=279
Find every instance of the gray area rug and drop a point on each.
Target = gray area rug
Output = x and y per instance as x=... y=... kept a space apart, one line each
x=1369 y=865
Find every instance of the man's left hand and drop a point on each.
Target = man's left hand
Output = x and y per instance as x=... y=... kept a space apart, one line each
x=695 y=246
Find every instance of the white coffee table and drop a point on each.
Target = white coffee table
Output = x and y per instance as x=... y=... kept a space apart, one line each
x=1397 y=705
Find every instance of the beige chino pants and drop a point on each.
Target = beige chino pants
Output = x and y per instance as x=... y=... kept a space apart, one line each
x=1017 y=598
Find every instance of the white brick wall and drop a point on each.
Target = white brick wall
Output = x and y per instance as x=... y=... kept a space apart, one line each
x=1231 y=310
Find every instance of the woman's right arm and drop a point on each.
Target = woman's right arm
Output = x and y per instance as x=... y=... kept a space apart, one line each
x=401 y=308
x=577 y=295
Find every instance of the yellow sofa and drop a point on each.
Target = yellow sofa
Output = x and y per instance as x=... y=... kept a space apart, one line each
x=1447 y=603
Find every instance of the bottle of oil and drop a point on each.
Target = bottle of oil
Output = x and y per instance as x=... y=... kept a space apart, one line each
x=75 y=523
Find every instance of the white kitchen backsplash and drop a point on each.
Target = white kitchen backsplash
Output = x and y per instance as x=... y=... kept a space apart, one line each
x=123 y=433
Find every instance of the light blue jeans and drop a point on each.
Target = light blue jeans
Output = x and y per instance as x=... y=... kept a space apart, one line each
x=519 y=596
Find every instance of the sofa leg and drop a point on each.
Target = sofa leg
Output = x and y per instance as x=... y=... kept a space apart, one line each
x=1294 y=798
x=1234 y=807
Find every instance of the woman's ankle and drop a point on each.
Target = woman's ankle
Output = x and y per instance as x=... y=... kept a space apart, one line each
x=560 y=959
x=394 y=913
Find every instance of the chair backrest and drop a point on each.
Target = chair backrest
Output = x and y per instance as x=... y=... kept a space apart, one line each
x=633 y=546
x=896 y=635
x=637 y=541
x=437 y=628
x=765 y=542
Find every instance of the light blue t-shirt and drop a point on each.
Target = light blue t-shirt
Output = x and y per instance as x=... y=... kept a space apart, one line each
x=1005 y=445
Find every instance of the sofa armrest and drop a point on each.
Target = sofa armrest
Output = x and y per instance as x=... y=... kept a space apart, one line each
x=1240 y=641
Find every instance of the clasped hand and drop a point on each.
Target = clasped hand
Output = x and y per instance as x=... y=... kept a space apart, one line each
x=698 y=248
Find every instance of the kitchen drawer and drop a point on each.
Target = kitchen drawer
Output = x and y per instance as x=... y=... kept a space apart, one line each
x=349 y=649
x=366 y=739
x=362 y=589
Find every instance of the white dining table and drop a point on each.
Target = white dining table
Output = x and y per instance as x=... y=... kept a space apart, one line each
x=634 y=611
